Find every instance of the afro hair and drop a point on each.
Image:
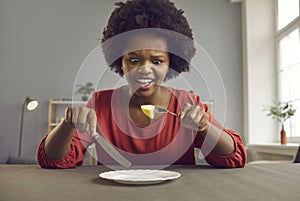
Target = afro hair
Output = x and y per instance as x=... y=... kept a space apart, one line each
x=144 y=14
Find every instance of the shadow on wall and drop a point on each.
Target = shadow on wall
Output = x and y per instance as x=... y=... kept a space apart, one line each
x=5 y=157
x=4 y=149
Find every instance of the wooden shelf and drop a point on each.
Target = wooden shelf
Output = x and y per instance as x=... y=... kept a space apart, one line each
x=62 y=102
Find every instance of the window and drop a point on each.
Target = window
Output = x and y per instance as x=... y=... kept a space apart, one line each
x=288 y=63
x=287 y=11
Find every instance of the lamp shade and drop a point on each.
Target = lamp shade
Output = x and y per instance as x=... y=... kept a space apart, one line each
x=31 y=104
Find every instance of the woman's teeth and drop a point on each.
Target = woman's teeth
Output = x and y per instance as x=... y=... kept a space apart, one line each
x=145 y=83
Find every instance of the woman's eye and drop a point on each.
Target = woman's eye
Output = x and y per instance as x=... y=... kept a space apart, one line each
x=134 y=60
x=157 y=62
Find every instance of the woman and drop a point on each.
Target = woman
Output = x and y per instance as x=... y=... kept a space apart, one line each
x=155 y=45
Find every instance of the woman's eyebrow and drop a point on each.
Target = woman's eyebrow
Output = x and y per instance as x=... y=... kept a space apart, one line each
x=131 y=54
x=158 y=54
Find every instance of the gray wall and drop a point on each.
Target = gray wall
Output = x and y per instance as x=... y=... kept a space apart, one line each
x=43 y=43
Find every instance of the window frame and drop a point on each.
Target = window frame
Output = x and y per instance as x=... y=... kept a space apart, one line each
x=279 y=35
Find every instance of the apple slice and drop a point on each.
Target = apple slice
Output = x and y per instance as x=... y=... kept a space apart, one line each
x=148 y=110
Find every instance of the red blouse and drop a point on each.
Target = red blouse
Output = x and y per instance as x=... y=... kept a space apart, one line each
x=164 y=141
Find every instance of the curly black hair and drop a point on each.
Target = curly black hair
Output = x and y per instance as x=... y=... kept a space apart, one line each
x=141 y=14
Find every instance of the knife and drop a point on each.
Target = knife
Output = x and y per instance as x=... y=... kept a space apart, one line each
x=110 y=149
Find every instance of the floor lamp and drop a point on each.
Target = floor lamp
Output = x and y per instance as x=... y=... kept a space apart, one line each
x=30 y=105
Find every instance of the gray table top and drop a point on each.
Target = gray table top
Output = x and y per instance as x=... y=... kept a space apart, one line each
x=254 y=182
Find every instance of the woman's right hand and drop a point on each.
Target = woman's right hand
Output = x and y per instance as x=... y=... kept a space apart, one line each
x=83 y=119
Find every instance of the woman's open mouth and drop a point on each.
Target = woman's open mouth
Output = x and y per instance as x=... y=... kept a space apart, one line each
x=145 y=83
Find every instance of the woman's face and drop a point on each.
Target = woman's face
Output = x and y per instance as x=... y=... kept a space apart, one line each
x=145 y=63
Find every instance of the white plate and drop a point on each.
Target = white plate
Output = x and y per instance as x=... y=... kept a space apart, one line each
x=139 y=176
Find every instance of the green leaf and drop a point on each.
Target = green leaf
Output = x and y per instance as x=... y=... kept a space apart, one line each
x=281 y=111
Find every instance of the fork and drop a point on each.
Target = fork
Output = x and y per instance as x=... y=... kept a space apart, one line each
x=160 y=109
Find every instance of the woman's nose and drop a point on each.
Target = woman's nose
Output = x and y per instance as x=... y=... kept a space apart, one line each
x=145 y=68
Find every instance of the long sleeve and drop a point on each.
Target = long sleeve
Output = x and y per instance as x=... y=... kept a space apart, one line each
x=74 y=157
x=233 y=160
x=236 y=159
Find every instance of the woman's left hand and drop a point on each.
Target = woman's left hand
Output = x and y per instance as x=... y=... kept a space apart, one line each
x=194 y=117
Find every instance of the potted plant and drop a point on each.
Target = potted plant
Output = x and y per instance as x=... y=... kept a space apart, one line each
x=281 y=111
x=85 y=90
